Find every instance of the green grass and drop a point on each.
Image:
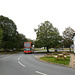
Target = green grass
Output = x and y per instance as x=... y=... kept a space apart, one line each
x=57 y=61
x=43 y=49
x=11 y=52
x=52 y=49
x=8 y=52
x=68 y=48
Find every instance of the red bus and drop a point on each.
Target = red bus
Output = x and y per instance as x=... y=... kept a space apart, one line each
x=27 y=47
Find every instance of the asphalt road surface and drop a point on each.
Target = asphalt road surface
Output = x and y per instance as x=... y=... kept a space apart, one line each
x=27 y=64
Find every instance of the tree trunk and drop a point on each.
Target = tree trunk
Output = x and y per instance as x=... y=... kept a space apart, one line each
x=47 y=49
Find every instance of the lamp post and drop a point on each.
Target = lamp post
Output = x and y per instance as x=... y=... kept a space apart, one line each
x=74 y=41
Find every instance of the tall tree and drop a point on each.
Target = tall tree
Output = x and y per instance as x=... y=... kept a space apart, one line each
x=47 y=35
x=21 y=40
x=1 y=34
x=30 y=40
x=9 y=29
x=68 y=37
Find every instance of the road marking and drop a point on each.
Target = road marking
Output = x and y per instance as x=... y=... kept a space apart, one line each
x=21 y=64
x=19 y=58
x=40 y=73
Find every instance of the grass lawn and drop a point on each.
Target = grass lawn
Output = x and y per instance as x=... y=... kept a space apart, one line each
x=52 y=49
x=10 y=52
x=57 y=61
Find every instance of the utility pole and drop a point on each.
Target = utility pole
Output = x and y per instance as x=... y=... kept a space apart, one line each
x=74 y=41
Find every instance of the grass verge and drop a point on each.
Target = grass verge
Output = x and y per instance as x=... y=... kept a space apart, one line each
x=61 y=61
x=12 y=52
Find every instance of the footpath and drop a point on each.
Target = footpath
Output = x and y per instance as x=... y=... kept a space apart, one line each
x=72 y=61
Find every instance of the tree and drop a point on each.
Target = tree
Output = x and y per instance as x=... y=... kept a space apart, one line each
x=37 y=44
x=11 y=38
x=1 y=34
x=21 y=40
x=68 y=37
x=9 y=30
x=47 y=35
x=30 y=40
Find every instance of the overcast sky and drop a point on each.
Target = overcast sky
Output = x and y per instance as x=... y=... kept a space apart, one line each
x=28 y=14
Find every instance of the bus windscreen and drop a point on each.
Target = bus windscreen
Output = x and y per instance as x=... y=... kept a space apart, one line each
x=26 y=49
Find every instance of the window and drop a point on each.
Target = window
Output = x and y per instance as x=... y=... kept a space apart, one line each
x=26 y=49
x=27 y=45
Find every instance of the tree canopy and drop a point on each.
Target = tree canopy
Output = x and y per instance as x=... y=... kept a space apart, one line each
x=47 y=35
x=11 y=38
x=1 y=34
x=9 y=29
x=68 y=36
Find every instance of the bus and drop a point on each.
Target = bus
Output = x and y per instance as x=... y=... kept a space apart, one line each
x=27 y=47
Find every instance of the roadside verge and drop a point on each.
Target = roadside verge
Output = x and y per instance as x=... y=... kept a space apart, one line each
x=38 y=56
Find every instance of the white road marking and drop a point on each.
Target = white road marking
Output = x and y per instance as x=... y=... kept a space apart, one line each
x=19 y=58
x=21 y=64
x=40 y=73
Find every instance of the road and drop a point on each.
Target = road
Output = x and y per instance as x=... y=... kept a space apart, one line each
x=27 y=64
